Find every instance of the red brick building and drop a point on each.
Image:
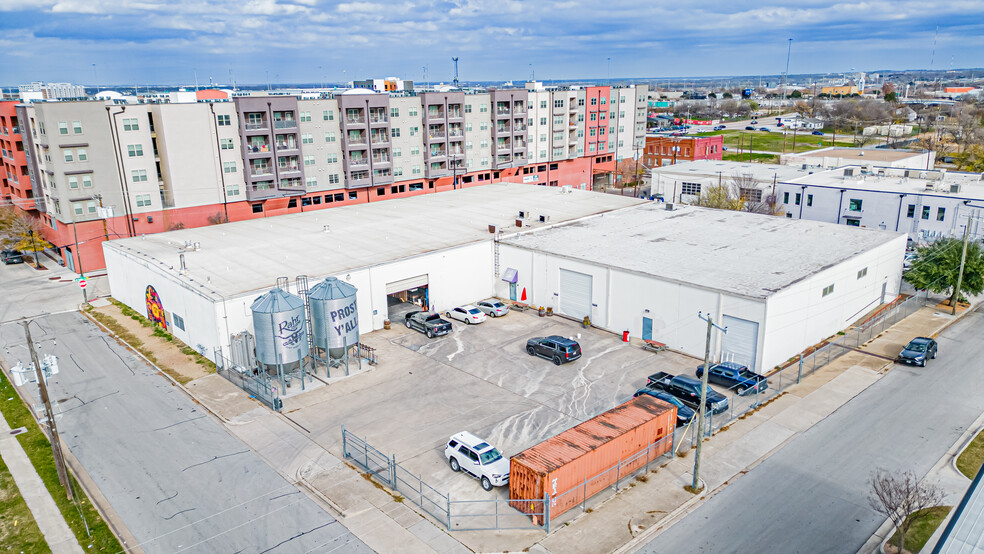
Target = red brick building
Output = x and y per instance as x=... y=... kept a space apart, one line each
x=15 y=179
x=661 y=151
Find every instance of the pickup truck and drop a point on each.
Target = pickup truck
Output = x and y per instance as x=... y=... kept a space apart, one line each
x=428 y=323
x=735 y=376
x=687 y=389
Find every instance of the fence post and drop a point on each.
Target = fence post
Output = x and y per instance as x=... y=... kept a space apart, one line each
x=365 y=453
x=447 y=500
x=496 y=512
x=393 y=473
x=584 y=496
x=344 y=443
x=618 y=474
x=420 y=489
x=672 y=443
x=756 y=395
x=546 y=512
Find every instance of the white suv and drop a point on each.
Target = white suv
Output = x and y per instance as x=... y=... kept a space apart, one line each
x=478 y=458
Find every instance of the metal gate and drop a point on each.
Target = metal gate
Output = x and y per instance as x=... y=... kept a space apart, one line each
x=575 y=294
x=740 y=342
x=375 y=462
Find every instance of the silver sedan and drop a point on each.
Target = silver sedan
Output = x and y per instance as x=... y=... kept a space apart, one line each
x=493 y=308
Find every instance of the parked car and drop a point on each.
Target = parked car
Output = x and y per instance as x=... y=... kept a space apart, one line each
x=817 y=133
x=428 y=323
x=556 y=348
x=918 y=351
x=684 y=413
x=11 y=257
x=720 y=128
x=477 y=458
x=687 y=389
x=749 y=128
x=468 y=313
x=493 y=308
x=766 y=129
x=734 y=376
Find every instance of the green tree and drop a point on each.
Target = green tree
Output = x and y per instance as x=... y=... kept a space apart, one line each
x=937 y=266
x=892 y=97
x=728 y=95
x=725 y=196
x=971 y=159
x=796 y=94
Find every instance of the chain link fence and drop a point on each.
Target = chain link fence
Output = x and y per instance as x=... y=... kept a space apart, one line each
x=256 y=383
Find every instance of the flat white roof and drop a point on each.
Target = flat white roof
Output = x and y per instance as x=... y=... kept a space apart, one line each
x=894 y=180
x=246 y=256
x=738 y=253
x=707 y=168
x=860 y=154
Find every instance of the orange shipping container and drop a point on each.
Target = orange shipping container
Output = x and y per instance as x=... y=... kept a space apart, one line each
x=582 y=460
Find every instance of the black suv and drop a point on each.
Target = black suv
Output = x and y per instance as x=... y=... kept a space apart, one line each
x=554 y=347
x=11 y=257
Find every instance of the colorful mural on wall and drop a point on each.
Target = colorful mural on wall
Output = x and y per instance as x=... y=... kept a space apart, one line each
x=155 y=310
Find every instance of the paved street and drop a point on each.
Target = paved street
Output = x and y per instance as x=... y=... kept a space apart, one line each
x=178 y=479
x=811 y=495
x=27 y=292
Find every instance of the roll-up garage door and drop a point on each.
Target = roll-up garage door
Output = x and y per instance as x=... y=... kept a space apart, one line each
x=575 y=294
x=406 y=284
x=741 y=341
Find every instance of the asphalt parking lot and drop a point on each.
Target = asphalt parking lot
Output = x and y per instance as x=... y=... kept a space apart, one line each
x=478 y=379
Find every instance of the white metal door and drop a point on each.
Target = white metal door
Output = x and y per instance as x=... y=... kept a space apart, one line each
x=575 y=294
x=740 y=342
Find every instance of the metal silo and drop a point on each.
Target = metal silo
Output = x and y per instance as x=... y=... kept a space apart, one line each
x=334 y=316
x=280 y=329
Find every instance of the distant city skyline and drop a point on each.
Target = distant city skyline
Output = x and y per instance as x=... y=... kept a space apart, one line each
x=311 y=41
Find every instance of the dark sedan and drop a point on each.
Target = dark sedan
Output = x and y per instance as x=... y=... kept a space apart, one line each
x=918 y=351
x=684 y=413
x=11 y=257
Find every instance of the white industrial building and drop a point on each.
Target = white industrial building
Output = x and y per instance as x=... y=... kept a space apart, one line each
x=836 y=156
x=685 y=182
x=926 y=205
x=778 y=285
x=433 y=249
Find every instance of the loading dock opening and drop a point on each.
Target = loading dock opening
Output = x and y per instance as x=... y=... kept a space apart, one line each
x=406 y=295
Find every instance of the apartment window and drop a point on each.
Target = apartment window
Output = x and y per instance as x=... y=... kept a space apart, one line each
x=134 y=150
x=468 y=127
x=138 y=175
x=394 y=112
x=307 y=139
x=785 y=198
x=828 y=290
x=395 y=131
x=69 y=155
x=330 y=136
x=226 y=120
x=415 y=170
x=131 y=124
x=311 y=182
x=594 y=101
x=862 y=273
x=412 y=112
x=333 y=179
x=558 y=103
x=397 y=152
x=87 y=181
x=594 y=116
x=353 y=195
x=925 y=212
x=414 y=131
x=77 y=127
x=397 y=171
x=257 y=208
x=559 y=120
x=604 y=99
x=78 y=208
x=855 y=205
x=229 y=167
x=304 y=202
x=73 y=182
x=485 y=162
x=308 y=160
x=483 y=127
x=912 y=211
x=81 y=154
x=226 y=144
x=63 y=129
x=798 y=198
x=468 y=145
x=232 y=190
x=940 y=213
x=416 y=186
x=305 y=116
x=414 y=150
x=328 y=115
x=332 y=158
x=591 y=131
x=853 y=222
x=483 y=107
x=580 y=101
x=468 y=108
x=809 y=199
x=143 y=200
x=692 y=189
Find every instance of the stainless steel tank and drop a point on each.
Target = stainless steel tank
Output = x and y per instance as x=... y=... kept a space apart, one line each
x=334 y=316
x=280 y=328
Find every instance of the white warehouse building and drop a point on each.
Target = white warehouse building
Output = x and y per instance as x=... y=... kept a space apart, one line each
x=779 y=285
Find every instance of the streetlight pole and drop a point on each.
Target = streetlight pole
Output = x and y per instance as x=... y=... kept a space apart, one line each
x=34 y=247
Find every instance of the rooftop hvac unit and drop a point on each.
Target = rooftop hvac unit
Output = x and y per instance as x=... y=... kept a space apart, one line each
x=848 y=172
x=669 y=206
x=909 y=173
x=544 y=219
x=954 y=187
x=930 y=186
x=493 y=229
x=566 y=189
x=520 y=222
x=525 y=213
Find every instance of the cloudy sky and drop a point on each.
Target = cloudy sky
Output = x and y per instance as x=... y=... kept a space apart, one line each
x=256 y=41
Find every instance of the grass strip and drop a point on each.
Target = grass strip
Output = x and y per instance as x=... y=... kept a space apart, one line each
x=921 y=530
x=99 y=537
x=970 y=460
x=17 y=525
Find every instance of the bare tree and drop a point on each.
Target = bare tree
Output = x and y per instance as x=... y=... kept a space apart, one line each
x=902 y=498
x=755 y=199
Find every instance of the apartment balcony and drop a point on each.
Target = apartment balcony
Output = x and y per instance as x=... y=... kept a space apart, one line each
x=359 y=179
x=519 y=128
x=285 y=146
x=503 y=147
x=502 y=110
x=290 y=184
x=261 y=126
x=358 y=162
x=264 y=171
x=379 y=120
x=285 y=124
x=258 y=150
x=261 y=191
x=356 y=140
x=456 y=136
x=455 y=115
x=438 y=156
x=519 y=145
x=436 y=134
x=436 y=114
x=381 y=159
x=503 y=129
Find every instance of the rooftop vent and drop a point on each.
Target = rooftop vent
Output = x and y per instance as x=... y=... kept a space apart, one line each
x=668 y=206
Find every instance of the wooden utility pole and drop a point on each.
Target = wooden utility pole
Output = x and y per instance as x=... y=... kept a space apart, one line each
x=963 y=261
x=703 y=399
x=56 y=450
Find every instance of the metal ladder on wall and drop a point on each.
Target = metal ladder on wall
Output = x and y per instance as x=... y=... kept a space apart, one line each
x=283 y=283
x=495 y=253
x=301 y=282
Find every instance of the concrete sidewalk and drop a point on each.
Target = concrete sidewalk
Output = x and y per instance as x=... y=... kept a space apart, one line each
x=621 y=523
x=57 y=533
